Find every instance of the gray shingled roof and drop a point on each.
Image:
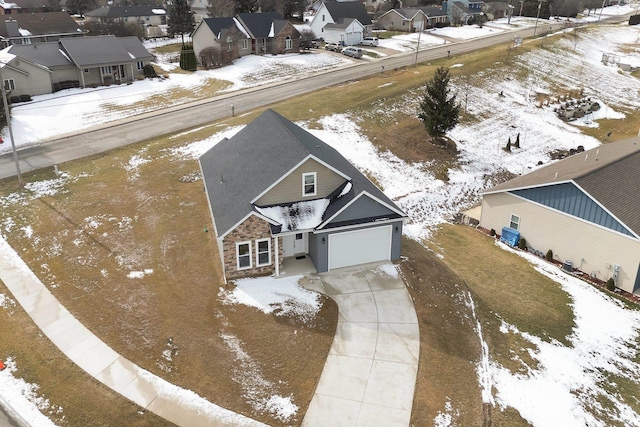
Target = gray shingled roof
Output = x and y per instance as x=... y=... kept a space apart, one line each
x=216 y=25
x=47 y=54
x=258 y=24
x=135 y=47
x=100 y=50
x=342 y=23
x=609 y=173
x=125 y=11
x=239 y=169
x=348 y=9
x=42 y=23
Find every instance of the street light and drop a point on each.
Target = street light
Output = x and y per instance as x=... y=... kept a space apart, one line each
x=8 y=117
x=537 y=16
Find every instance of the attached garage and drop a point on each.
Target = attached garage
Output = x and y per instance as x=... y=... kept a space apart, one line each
x=359 y=246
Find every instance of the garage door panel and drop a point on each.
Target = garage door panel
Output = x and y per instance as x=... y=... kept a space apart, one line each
x=359 y=247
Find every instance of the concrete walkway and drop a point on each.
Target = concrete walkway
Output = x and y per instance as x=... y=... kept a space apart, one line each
x=370 y=374
x=173 y=403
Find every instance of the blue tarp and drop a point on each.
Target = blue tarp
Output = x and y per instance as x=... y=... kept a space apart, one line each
x=510 y=236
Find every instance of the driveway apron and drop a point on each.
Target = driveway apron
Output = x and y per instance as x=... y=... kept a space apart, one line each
x=180 y=406
x=370 y=374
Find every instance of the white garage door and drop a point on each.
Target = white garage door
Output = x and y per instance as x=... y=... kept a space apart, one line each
x=359 y=247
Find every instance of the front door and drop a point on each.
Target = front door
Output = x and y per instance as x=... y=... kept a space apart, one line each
x=299 y=246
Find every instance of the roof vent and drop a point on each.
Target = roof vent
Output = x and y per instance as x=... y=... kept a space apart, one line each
x=556 y=175
x=586 y=156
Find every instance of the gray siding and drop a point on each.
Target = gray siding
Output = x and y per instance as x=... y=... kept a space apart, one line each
x=319 y=250
x=364 y=207
x=569 y=199
x=36 y=82
x=290 y=188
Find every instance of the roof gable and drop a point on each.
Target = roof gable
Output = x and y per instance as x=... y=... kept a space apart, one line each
x=237 y=170
x=216 y=25
x=46 y=54
x=348 y=9
x=258 y=25
x=609 y=173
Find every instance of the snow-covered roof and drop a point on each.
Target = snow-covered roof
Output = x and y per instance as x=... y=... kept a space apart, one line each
x=299 y=216
x=24 y=32
x=159 y=11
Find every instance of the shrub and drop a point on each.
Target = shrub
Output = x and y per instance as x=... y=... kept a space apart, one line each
x=25 y=98
x=517 y=143
x=507 y=148
x=14 y=99
x=611 y=284
x=522 y=243
x=549 y=255
x=149 y=71
x=492 y=233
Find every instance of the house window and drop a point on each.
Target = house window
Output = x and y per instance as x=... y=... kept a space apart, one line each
x=9 y=84
x=243 y=255
x=140 y=65
x=263 y=252
x=309 y=184
x=229 y=44
x=86 y=70
x=105 y=70
x=245 y=44
x=515 y=222
x=288 y=43
x=322 y=18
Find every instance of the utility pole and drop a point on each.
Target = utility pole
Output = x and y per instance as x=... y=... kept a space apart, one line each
x=535 y=28
x=600 y=16
x=419 y=34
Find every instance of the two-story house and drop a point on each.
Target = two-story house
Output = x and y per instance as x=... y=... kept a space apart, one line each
x=346 y=23
x=276 y=191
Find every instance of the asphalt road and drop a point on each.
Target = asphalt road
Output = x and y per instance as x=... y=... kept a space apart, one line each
x=175 y=119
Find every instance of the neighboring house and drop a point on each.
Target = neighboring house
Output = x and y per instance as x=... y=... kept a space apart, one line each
x=199 y=9
x=269 y=33
x=333 y=21
x=219 y=41
x=460 y=11
x=412 y=19
x=585 y=208
x=74 y=62
x=24 y=6
x=497 y=10
x=26 y=28
x=144 y=15
x=275 y=191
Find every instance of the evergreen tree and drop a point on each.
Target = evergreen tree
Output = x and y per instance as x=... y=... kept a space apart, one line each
x=246 y=6
x=517 y=144
x=180 y=19
x=438 y=111
x=507 y=148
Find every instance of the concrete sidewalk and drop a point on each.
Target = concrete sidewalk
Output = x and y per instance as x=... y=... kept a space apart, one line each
x=370 y=374
x=173 y=403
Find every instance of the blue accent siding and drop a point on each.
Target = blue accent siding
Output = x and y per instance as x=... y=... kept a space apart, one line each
x=364 y=207
x=571 y=200
x=636 y=286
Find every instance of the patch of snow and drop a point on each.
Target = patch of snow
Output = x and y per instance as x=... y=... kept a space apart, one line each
x=388 y=269
x=158 y=11
x=28 y=231
x=445 y=419
x=135 y=275
x=282 y=295
x=7 y=302
x=299 y=216
x=571 y=383
x=24 y=398
x=196 y=149
x=281 y=407
x=24 y=32
x=345 y=190
x=484 y=367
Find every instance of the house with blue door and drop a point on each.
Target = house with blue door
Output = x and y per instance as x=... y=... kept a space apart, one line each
x=276 y=191
x=585 y=208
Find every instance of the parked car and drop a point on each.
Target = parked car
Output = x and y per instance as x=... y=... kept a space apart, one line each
x=369 y=41
x=316 y=43
x=333 y=46
x=354 y=52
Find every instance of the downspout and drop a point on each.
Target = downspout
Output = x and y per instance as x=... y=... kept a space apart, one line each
x=277 y=250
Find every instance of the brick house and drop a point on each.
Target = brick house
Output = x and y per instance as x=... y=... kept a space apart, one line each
x=277 y=192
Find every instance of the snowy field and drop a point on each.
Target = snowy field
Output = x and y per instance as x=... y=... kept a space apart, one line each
x=551 y=387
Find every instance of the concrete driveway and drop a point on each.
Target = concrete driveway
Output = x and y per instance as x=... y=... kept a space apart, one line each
x=370 y=374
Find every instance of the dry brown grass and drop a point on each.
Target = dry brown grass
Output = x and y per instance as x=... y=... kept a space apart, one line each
x=113 y=221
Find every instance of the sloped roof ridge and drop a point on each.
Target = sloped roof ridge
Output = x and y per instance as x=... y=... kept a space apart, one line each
x=606 y=163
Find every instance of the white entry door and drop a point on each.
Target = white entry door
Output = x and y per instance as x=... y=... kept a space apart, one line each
x=295 y=244
x=359 y=247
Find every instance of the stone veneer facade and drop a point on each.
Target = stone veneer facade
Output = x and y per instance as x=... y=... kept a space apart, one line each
x=251 y=229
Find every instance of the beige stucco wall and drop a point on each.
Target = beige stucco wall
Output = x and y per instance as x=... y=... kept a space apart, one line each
x=591 y=249
x=394 y=22
x=290 y=189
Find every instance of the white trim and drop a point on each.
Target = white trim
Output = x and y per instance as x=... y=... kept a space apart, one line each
x=517 y=222
x=582 y=219
x=269 y=220
x=275 y=242
x=290 y=171
x=527 y=187
x=249 y=254
x=258 y=241
x=304 y=184
x=361 y=225
x=364 y=193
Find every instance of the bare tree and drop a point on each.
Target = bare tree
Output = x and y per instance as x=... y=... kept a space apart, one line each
x=220 y=8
